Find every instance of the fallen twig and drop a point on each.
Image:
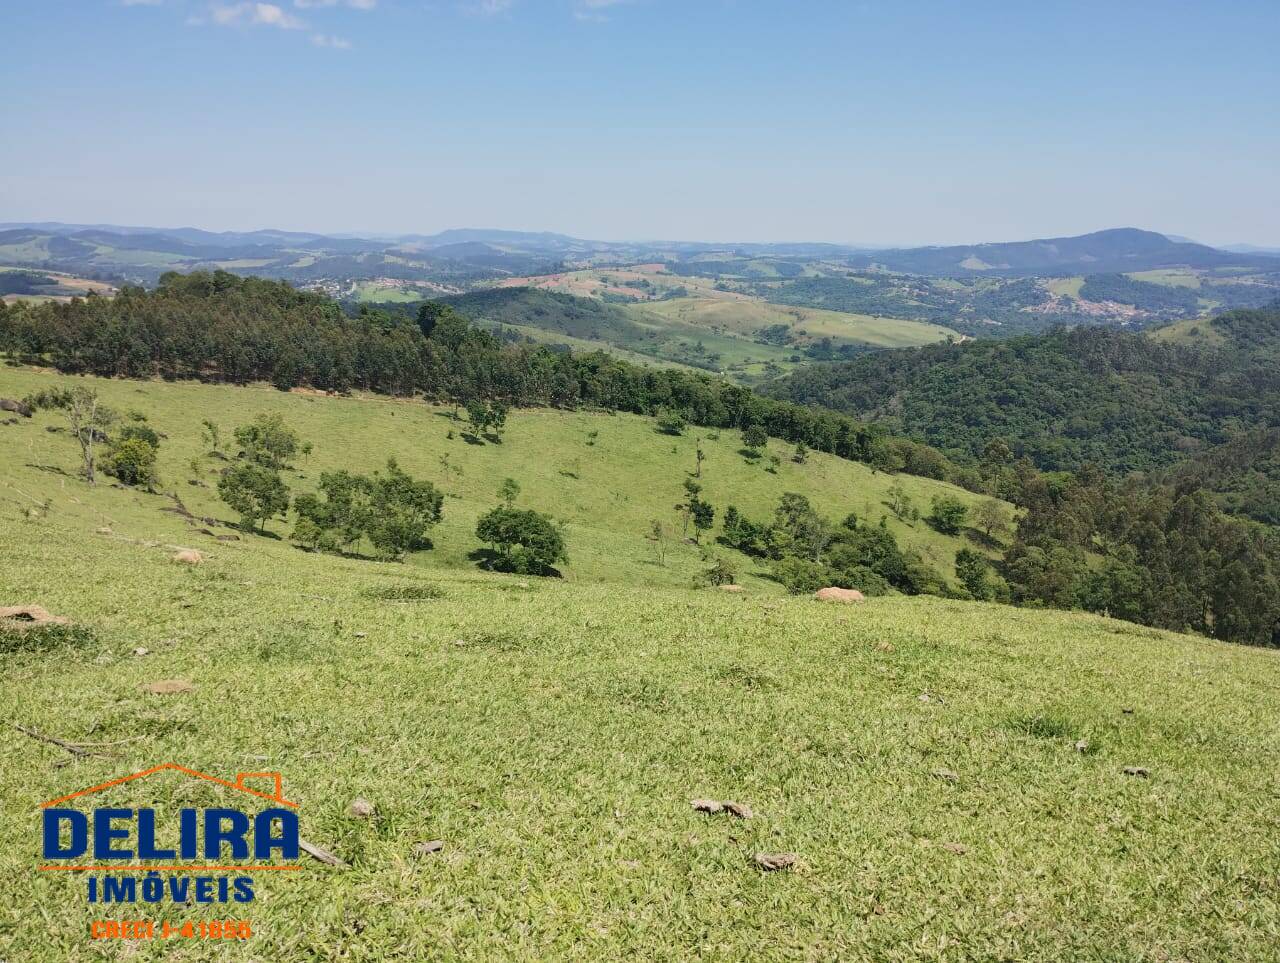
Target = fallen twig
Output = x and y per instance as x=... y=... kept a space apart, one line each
x=311 y=849
x=77 y=748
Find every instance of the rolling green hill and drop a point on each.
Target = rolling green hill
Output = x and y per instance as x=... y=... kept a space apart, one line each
x=604 y=476
x=745 y=338
x=953 y=779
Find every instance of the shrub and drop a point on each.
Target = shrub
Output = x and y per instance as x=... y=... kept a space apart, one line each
x=132 y=460
x=800 y=576
x=948 y=514
x=671 y=423
x=721 y=572
x=526 y=542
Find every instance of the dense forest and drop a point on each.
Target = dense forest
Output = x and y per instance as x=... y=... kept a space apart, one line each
x=1122 y=401
x=1163 y=300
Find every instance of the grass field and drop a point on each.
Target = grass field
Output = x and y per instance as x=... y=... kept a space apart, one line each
x=745 y=318
x=719 y=330
x=1170 y=277
x=372 y=291
x=1190 y=330
x=918 y=756
x=1065 y=287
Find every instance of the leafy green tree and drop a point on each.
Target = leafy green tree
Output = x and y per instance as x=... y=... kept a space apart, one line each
x=671 y=422
x=525 y=541
x=900 y=503
x=799 y=528
x=754 y=437
x=268 y=441
x=87 y=417
x=256 y=493
x=948 y=514
x=509 y=491
x=337 y=515
x=990 y=518
x=212 y=435
x=801 y=454
x=972 y=570
x=403 y=509
x=702 y=515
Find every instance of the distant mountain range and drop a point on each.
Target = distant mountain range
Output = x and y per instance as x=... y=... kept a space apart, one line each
x=1114 y=251
x=464 y=256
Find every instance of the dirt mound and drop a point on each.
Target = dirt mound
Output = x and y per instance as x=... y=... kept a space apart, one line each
x=31 y=615
x=188 y=556
x=833 y=594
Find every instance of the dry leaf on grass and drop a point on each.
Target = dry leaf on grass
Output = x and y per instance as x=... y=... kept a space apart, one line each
x=707 y=805
x=947 y=775
x=362 y=808
x=1140 y=771
x=769 y=862
x=428 y=847
x=741 y=810
x=958 y=848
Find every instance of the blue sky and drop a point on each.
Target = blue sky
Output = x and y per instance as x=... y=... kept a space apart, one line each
x=880 y=122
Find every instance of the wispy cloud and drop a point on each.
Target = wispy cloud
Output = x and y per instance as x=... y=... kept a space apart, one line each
x=247 y=15
x=487 y=8
x=328 y=40
x=353 y=4
x=141 y=3
x=252 y=14
x=594 y=9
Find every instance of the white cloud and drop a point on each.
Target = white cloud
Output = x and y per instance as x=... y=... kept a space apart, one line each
x=488 y=8
x=254 y=14
x=327 y=40
x=273 y=16
x=353 y=4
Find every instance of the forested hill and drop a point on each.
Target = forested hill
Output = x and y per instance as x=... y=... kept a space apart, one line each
x=1112 y=251
x=1122 y=401
x=584 y=318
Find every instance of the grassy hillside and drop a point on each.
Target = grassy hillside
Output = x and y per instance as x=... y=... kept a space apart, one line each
x=745 y=338
x=807 y=325
x=950 y=775
x=605 y=488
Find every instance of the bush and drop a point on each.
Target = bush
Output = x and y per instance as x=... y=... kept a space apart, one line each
x=721 y=572
x=800 y=576
x=526 y=542
x=671 y=423
x=132 y=460
x=948 y=514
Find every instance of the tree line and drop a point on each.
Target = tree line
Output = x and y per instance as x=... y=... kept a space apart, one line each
x=221 y=327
